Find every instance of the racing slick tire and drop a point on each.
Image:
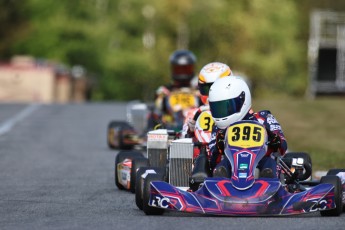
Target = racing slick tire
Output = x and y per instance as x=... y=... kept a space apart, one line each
x=149 y=210
x=121 y=156
x=111 y=135
x=334 y=172
x=307 y=163
x=338 y=195
x=136 y=164
x=139 y=183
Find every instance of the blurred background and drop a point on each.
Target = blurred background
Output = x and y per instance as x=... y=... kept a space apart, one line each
x=292 y=52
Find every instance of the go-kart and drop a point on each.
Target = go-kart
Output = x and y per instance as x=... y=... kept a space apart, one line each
x=157 y=145
x=180 y=162
x=126 y=134
x=141 y=118
x=128 y=162
x=245 y=193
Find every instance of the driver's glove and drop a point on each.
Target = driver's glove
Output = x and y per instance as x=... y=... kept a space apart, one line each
x=191 y=124
x=274 y=141
x=220 y=141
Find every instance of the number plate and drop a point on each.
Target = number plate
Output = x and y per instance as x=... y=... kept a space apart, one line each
x=205 y=121
x=246 y=135
x=185 y=100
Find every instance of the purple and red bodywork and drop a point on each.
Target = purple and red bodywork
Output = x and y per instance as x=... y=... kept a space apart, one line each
x=243 y=195
x=218 y=197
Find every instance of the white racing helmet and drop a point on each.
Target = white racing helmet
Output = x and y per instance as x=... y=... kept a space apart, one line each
x=209 y=73
x=230 y=100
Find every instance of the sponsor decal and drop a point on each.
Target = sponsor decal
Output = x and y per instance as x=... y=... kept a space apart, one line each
x=243 y=166
x=123 y=176
x=318 y=206
x=157 y=137
x=275 y=127
x=242 y=175
x=271 y=119
x=160 y=202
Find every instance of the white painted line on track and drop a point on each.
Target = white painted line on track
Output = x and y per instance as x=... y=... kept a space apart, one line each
x=8 y=125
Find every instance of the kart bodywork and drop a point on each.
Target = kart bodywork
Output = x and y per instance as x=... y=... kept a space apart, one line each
x=244 y=194
x=218 y=197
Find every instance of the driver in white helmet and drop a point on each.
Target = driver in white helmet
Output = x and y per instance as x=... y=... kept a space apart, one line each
x=208 y=74
x=230 y=101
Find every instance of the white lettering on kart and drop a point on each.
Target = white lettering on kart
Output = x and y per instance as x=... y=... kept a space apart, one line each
x=160 y=202
x=275 y=127
x=318 y=206
x=271 y=119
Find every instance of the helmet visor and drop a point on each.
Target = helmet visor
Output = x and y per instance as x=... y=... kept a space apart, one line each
x=183 y=69
x=225 y=108
x=204 y=88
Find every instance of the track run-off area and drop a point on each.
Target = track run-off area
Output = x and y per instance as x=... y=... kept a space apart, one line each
x=57 y=172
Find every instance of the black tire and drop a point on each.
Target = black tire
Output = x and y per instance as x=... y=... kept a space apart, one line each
x=149 y=210
x=334 y=172
x=119 y=158
x=119 y=126
x=338 y=195
x=136 y=164
x=307 y=163
x=139 y=184
x=110 y=135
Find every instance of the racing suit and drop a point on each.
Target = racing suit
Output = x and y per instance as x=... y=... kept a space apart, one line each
x=171 y=106
x=276 y=139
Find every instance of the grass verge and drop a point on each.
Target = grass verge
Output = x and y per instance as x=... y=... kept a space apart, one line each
x=313 y=126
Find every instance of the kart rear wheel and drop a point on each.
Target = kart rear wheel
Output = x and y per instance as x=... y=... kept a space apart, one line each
x=136 y=164
x=139 y=183
x=338 y=195
x=110 y=138
x=113 y=127
x=334 y=172
x=149 y=210
x=121 y=156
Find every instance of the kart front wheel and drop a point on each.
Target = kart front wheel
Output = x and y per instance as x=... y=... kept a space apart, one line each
x=338 y=195
x=149 y=210
x=136 y=164
x=139 y=182
x=335 y=172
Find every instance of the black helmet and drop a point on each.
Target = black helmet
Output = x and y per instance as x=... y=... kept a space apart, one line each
x=182 y=66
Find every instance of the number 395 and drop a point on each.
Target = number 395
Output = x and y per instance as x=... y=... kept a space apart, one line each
x=246 y=134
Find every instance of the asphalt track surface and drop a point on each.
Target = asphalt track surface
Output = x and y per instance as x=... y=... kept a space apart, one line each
x=56 y=172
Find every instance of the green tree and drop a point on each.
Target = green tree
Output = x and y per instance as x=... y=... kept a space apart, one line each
x=126 y=44
x=13 y=24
